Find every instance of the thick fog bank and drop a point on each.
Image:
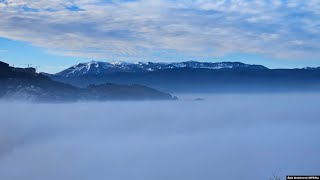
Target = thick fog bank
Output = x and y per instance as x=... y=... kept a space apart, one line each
x=248 y=137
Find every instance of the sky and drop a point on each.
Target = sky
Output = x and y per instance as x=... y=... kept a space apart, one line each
x=55 y=34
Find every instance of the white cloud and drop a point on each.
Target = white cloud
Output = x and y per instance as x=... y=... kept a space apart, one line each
x=161 y=29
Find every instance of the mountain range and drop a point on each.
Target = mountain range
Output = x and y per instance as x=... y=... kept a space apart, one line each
x=26 y=84
x=193 y=76
x=101 y=68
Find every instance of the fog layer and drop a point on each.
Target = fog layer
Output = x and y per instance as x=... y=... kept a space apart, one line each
x=223 y=137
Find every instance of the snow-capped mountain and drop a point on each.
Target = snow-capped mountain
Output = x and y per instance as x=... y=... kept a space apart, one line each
x=101 y=68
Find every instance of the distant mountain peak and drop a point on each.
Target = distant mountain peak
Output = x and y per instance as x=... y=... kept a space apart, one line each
x=101 y=68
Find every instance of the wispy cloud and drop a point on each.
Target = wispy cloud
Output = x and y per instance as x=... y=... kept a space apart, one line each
x=162 y=29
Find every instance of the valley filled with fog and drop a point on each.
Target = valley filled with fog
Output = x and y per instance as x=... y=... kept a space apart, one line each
x=224 y=136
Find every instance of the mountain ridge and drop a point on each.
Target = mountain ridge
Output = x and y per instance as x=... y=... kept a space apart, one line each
x=192 y=76
x=102 y=68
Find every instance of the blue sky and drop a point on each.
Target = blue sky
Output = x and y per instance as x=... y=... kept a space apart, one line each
x=55 y=34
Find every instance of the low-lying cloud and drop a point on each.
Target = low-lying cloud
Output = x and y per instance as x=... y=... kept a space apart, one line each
x=224 y=137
